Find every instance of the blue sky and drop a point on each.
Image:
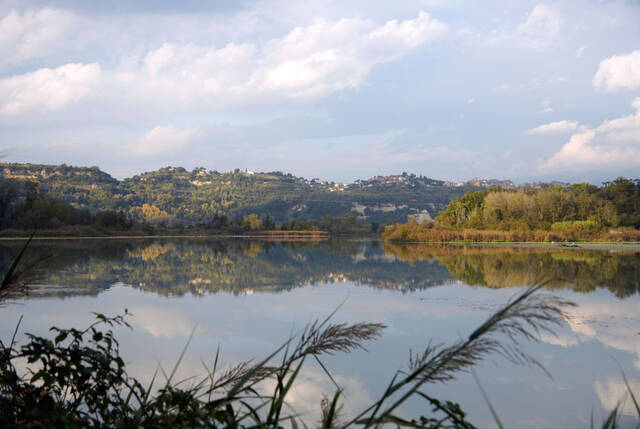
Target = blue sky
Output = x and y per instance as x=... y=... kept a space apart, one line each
x=336 y=90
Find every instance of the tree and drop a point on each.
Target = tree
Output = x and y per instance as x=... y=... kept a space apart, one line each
x=268 y=223
x=252 y=222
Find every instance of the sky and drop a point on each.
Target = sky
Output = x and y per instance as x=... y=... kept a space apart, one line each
x=330 y=89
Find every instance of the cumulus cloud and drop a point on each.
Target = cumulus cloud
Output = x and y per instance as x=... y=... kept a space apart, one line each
x=47 y=90
x=311 y=385
x=327 y=56
x=615 y=143
x=308 y=62
x=554 y=128
x=31 y=34
x=162 y=322
x=619 y=72
x=560 y=340
x=165 y=140
x=607 y=321
x=541 y=26
x=612 y=390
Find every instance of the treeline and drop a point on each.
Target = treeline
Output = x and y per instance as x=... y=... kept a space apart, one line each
x=23 y=207
x=580 y=211
x=176 y=266
x=497 y=267
x=345 y=224
x=175 y=195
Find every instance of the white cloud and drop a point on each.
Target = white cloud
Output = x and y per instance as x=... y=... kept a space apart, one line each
x=47 y=90
x=560 y=340
x=309 y=62
x=328 y=56
x=615 y=143
x=619 y=72
x=31 y=34
x=541 y=26
x=547 y=108
x=554 y=128
x=164 y=140
x=605 y=319
x=309 y=387
x=162 y=322
x=613 y=390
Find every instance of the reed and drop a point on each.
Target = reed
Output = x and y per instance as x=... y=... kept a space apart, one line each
x=19 y=274
x=427 y=232
x=78 y=379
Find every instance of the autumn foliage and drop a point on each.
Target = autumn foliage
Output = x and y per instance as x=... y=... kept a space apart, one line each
x=576 y=212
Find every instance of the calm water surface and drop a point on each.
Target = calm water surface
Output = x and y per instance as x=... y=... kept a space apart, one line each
x=248 y=297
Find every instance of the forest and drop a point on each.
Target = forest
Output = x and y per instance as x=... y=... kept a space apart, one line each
x=24 y=208
x=576 y=212
x=86 y=201
x=174 y=195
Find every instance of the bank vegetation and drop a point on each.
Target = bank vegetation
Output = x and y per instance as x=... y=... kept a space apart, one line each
x=580 y=212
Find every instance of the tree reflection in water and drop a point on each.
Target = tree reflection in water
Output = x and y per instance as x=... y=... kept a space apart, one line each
x=198 y=266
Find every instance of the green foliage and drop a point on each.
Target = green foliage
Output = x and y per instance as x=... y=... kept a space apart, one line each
x=196 y=267
x=580 y=270
x=179 y=267
x=462 y=209
x=23 y=206
x=175 y=195
x=624 y=194
x=615 y=204
x=346 y=224
x=79 y=380
x=576 y=226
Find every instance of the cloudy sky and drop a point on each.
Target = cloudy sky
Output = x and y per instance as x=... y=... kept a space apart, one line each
x=331 y=89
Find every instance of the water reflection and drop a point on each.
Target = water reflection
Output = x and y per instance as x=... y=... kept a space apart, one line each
x=581 y=270
x=171 y=286
x=175 y=267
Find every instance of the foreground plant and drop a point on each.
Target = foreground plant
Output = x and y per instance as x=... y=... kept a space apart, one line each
x=19 y=274
x=78 y=379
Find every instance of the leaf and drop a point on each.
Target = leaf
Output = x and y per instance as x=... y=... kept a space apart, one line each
x=61 y=337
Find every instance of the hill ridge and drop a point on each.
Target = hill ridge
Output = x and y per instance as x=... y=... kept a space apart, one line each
x=196 y=196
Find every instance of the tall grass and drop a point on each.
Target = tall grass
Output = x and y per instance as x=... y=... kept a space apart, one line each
x=429 y=232
x=19 y=274
x=78 y=378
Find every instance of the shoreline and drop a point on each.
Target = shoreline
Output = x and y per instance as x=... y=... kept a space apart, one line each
x=300 y=235
x=593 y=245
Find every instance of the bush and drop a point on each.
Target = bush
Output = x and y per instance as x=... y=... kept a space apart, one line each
x=577 y=226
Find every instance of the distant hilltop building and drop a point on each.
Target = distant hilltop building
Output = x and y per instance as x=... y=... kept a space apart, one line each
x=490 y=183
x=542 y=185
x=197 y=196
x=505 y=184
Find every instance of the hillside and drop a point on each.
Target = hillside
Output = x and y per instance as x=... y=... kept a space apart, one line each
x=178 y=195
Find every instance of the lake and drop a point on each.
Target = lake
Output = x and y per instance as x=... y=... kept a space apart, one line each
x=246 y=297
